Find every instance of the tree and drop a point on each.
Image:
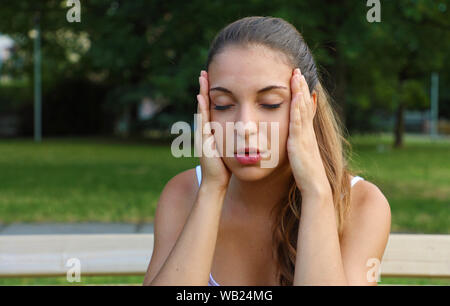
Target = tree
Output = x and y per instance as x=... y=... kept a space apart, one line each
x=411 y=41
x=134 y=49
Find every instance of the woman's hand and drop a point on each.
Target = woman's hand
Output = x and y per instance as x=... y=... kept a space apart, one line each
x=214 y=171
x=303 y=150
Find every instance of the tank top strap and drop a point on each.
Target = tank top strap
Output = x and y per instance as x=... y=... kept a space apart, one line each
x=211 y=281
x=198 y=171
x=355 y=180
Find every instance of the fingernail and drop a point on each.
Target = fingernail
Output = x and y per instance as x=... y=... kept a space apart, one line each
x=297 y=70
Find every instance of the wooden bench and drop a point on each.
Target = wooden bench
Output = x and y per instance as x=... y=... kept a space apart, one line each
x=406 y=255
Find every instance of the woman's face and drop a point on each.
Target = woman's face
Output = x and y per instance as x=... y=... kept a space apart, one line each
x=251 y=86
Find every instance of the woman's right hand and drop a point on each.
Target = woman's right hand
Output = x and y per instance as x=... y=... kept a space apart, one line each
x=214 y=171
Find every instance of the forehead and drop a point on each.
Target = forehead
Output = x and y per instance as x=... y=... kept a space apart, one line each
x=252 y=67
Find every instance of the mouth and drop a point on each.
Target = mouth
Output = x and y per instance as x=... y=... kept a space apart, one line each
x=248 y=156
x=247 y=151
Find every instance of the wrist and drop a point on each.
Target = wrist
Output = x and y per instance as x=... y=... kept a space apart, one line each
x=212 y=189
x=318 y=192
x=210 y=196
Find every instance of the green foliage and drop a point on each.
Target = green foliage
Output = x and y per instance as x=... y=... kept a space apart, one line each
x=13 y=95
x=159 y=47
x=412 y=93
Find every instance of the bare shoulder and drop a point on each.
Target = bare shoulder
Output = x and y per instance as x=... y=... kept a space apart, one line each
x=173 y=208
x=179 y=194
x=369 y=212
x=368 y=200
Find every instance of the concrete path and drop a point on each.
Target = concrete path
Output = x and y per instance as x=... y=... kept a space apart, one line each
x=75 y=228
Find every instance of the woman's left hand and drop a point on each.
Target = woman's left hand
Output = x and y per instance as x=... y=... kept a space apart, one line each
x=303 y=150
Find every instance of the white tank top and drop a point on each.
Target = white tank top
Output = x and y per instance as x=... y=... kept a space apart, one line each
x=198 y=170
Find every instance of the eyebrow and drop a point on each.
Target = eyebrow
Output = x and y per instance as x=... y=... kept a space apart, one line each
x=267 y=88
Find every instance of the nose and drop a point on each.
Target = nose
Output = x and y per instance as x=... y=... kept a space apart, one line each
x=246 y=123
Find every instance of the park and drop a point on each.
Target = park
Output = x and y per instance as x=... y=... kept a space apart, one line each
x=91 y=112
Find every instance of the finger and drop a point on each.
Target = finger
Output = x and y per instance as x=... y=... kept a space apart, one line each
x=295 y=118
x=295 y=84
x=203 y=112
x=302 y=107
x=208 y=145
x=204 y=86
x=204 y=89
x=198 y=139
x=298 y=93
x=306 y=96
x=205 y=132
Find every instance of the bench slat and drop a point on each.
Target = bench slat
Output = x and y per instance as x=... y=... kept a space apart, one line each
x=35 y=255
x=417 y=256
x=47 y=255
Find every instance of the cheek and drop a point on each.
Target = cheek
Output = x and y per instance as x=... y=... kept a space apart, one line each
x=220 y=116
x=275 y=136
x=282 y=118
x=284 y=133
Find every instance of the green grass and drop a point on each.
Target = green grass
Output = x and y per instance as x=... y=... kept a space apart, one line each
x=414 y=179
x=83 y=180
x=137 y=280
x=86 y=280
x=414 y=281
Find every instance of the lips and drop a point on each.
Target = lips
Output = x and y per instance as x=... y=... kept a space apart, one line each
x=248 y=156
x=247 y=151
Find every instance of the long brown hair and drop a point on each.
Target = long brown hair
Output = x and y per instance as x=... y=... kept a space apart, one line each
x=279 y=35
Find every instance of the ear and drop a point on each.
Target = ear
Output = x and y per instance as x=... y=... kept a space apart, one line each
x=314 y=97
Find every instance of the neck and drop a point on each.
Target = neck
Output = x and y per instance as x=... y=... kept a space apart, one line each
x=257 y=198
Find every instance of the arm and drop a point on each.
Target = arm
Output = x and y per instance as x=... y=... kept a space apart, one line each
x=186 y=259
x=323 y=259
x=318 y=260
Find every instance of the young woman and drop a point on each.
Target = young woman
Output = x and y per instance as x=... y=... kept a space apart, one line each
x=306 y=221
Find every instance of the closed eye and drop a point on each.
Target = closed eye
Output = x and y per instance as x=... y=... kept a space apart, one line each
x=268 y=106
x=271 y=106
x=221 y=107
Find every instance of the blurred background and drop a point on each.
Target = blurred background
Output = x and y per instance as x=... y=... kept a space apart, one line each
x=88 y=97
